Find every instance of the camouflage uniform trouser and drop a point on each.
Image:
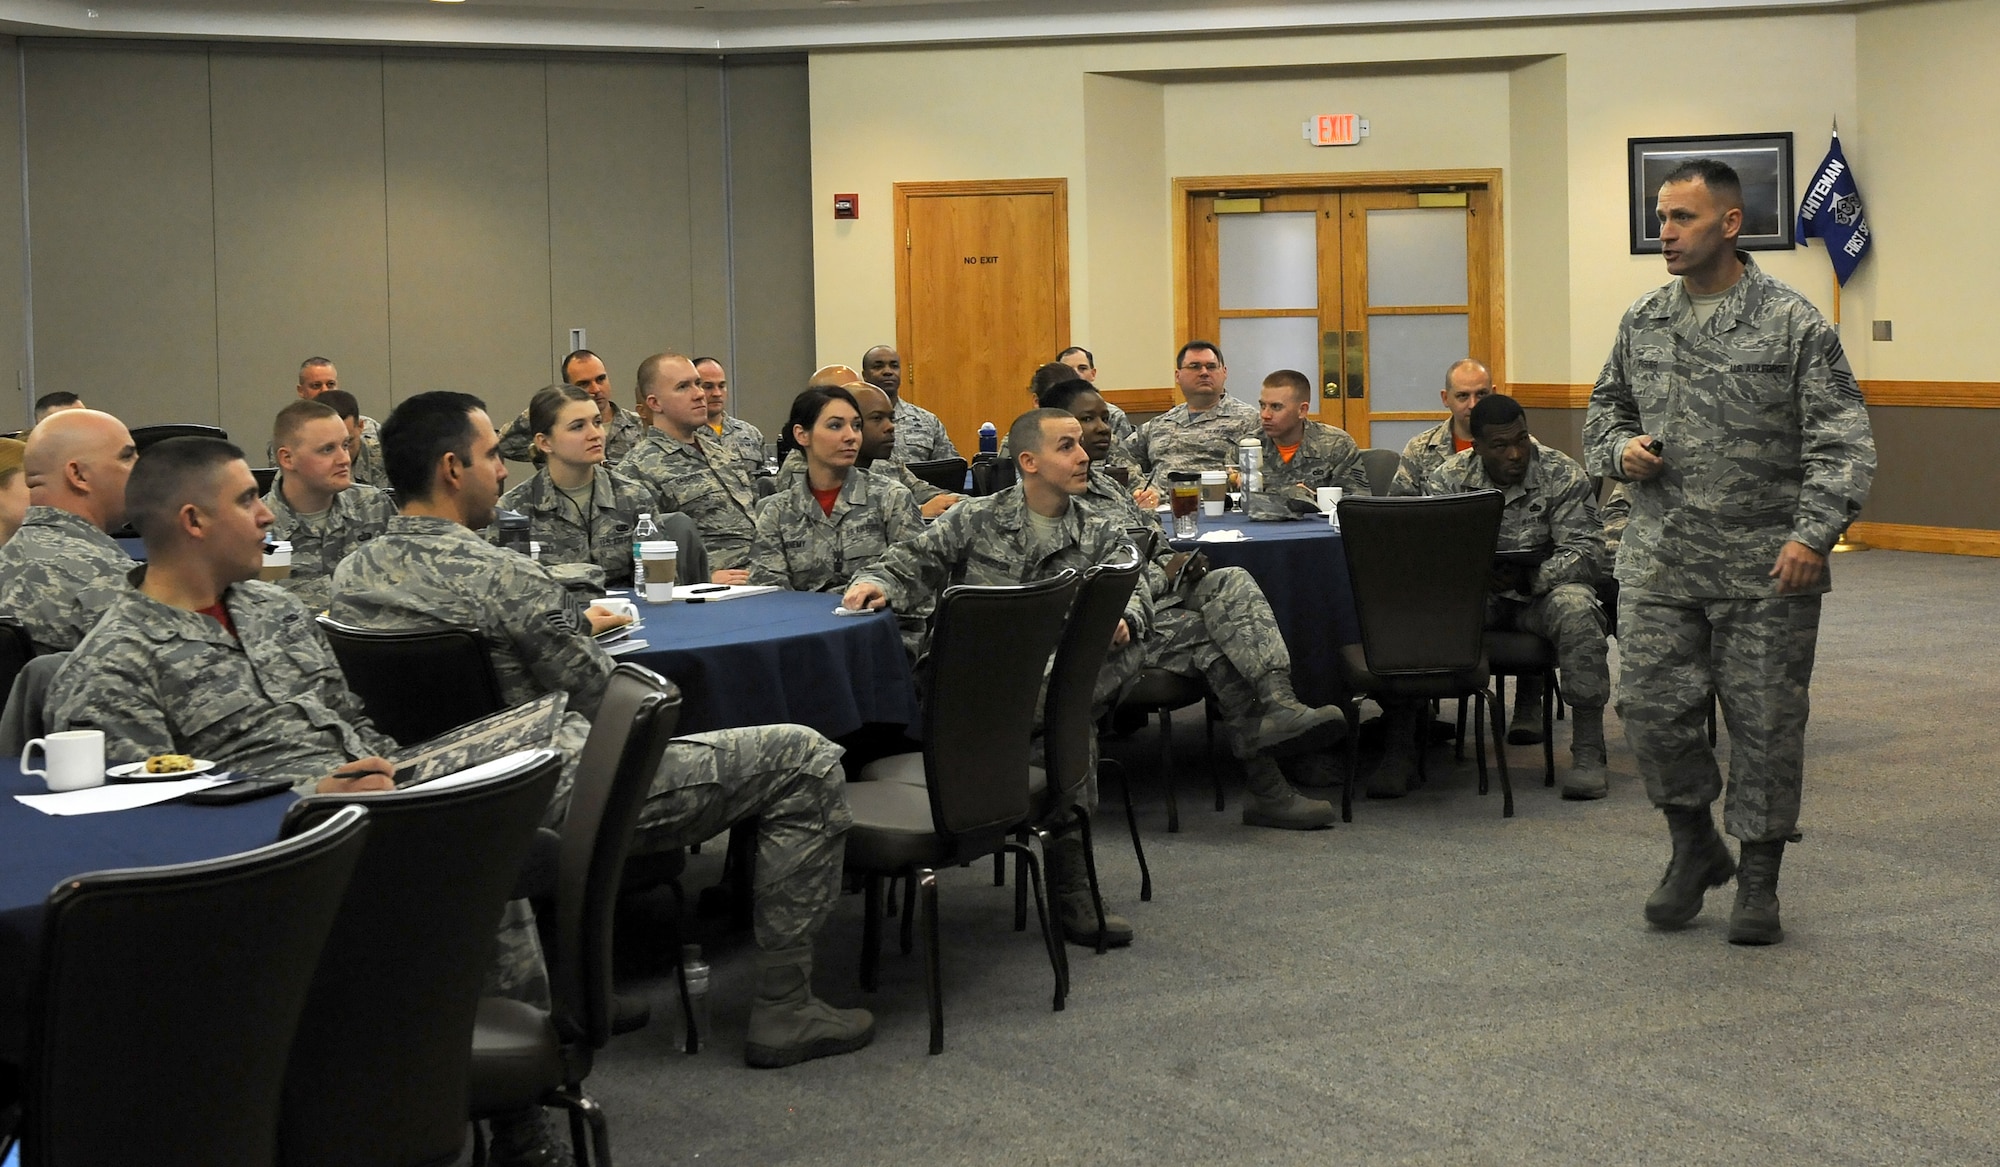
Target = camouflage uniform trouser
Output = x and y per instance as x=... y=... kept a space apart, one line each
x=1756 y=656
x=1569 y=617
x=788 y=776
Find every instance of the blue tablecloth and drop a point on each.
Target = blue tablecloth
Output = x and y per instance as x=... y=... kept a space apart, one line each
x=1302 y=567
x=39 y=851
x=777 y=658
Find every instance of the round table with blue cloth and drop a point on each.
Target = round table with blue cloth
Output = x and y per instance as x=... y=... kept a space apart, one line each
x=39 y=851
x=778 y=658
x=1302 y=567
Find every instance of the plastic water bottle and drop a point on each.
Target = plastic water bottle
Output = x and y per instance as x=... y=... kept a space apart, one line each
x=642 y=531
x=1250 y=464
x=695 y=970
x=989 y=438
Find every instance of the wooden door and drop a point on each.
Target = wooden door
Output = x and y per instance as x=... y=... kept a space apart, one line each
x=982 y=296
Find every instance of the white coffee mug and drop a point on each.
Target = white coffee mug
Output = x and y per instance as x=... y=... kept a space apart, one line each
x=619 y=606
x=1328 y=498
x=75 y=759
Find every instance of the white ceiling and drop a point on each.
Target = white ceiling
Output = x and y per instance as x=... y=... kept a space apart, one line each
x=767 y=25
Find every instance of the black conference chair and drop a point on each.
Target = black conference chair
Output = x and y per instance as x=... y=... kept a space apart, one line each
x=993 y=476
x=1420 y=569
x=966 y=793
x=146 y=436
x=945 y=473
x=16 y=649
x=1523 y=654
x=1381 y=466
x=265 y=476
x=165 y=1002
x=416 y=683
x=521 y=1055
x=379 y=1067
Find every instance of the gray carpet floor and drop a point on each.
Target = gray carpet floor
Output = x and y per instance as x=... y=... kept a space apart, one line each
x=1433 y=984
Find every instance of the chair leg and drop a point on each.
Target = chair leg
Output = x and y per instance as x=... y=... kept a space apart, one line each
x=1021 y=888
x=909 y=912
x=1458 y=739
x=1479 y=737
x=1057 y=948
x=594 y=1148
x=1500 y=756
x=933 y=966
x=689 y=1026
x=1352 y=715
x=1549 y=729
x=889 y=899
x=1214 y=771
x=1132 y=823
x=1167 y=770
x=478 y=1144
x=999 y=869
x=871 y=931
x=1090 y=874
x=1423 y=745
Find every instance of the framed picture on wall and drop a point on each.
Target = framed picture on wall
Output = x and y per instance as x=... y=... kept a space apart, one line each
x=1762 y=161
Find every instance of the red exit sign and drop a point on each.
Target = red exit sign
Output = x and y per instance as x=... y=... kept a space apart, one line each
x=1336 y=129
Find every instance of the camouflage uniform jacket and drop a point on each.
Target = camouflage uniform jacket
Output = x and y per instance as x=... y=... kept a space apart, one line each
x=58 y=574
x=920 y=436
x=1553 y=507
x=270 y=701
x=1121 y=425
x=703 y=481
x=744 y=440
x=605 y=540
x=368 y=465
x=1180 y=440
x=1767 y=437
x=1614 y=512
x=805 y=549
x=1326 y=456
x=988 y=541
x=1113 y=503
x=517 y=442
x=355 y=516
x=1421 y=455
x=423 y=572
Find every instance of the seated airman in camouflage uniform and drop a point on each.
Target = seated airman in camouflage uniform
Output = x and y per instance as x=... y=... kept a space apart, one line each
x=1083 y=363
x=920 y=434
x=432 y=568
x=878 y=445
x=1466 y=384
x=1549 y=508
x=1202 y=432
x=364 y=445
x=1321 y=455
x=622 y=427
x=687 y=470
x=735 y=434
x=61 y=571
x=1765 y=455
x=315 y=504
x=830 y=518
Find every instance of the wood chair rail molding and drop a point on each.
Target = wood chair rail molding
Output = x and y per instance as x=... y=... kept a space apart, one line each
x=1938 y=540
x=1922 y=394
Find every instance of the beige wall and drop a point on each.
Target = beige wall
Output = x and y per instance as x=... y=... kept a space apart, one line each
x=206 y=216
x=1530 y=98
x=13 y=346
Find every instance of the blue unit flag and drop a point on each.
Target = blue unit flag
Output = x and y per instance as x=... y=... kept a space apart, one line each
x=1832 y=210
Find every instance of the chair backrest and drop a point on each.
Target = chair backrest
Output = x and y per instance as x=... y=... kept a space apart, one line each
x=990 y=647
x=1068 y=730
x=166 y=998
x=16 y=649
x=378 y=1069
x=945 y=473
x=1419 y=568
x=993 y=476
x=265 y=476
x=416 y=683
x=634 y=722
x=146 y=436
x=1381 y=466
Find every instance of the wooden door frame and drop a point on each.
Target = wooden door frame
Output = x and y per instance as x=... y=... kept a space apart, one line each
x=1056 y=188
x=1247 y=185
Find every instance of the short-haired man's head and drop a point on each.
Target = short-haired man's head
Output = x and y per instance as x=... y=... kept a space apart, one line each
x=1465 y=371
x=1062 y=393
x=47 y=403
x=649 y=370
x=1088 y=359
x=169 y=476
x=309 y=364
x=545 y=408
x=421 y=431
x=572 y=359
x=1495 y=412
x=1195 y=346
x=294 y=418
x=342 y=403
x=1718 y=176
x=1292 y=381
x=1026 y=435
x=1053 y=373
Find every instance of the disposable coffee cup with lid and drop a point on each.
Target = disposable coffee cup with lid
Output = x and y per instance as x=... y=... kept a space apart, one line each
x=277 y=561
x=659 y=560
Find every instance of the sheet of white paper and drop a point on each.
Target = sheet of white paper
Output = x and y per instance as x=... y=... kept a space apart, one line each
x=477 y=773
x=625 y=646
x=118 y=796
x=714 y=593
x=1230 y=536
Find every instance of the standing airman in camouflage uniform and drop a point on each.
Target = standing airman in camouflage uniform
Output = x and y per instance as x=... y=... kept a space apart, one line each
x=1322 y=455
x=1765 y=455
x=920 y=434
x=315 y=472
x=61 y=571
x=431 y=568
x=1201 y=432
x=1466 y=383
x=689 y=471
x=622 y=427
x=1549 y=509
x=735 y=434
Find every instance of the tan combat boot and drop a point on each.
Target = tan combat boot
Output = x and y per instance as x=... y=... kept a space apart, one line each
x=789 y=1025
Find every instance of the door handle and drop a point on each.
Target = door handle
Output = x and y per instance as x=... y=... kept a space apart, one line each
x=1357 y=363
x=1329 y=363
x=1332 y=391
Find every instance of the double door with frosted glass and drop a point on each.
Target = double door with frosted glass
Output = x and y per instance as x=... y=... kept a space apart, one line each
x=1371 y=294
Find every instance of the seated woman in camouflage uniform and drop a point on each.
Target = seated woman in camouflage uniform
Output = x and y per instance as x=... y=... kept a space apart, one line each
x=579 y=509
x=829 y=517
